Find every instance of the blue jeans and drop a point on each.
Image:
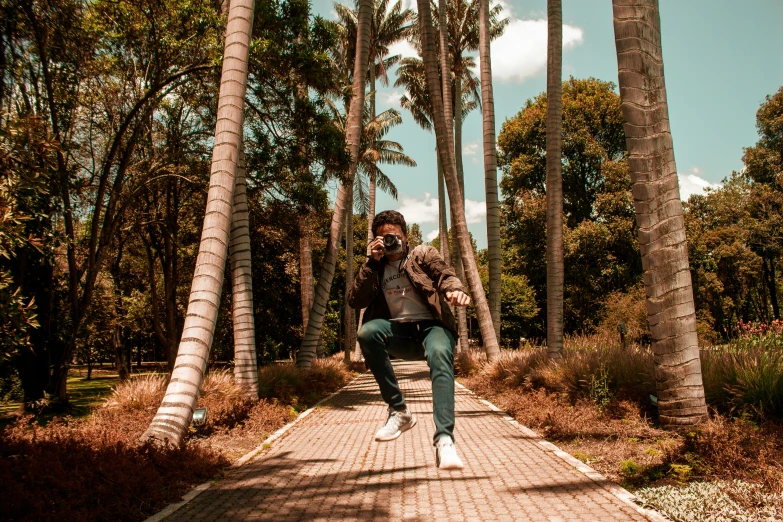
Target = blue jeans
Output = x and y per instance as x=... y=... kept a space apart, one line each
x=422 y=340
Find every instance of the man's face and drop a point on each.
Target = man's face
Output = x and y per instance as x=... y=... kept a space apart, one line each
x=397 y=231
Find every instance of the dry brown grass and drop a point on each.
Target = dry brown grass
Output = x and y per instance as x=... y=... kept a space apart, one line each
x=594 y=404
x=119 y=479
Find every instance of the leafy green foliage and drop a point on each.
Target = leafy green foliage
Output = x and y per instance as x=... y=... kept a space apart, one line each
x=601 y=250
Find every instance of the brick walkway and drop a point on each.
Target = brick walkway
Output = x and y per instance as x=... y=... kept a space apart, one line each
x=328 y=467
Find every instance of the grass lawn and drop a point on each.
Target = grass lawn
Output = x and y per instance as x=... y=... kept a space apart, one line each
x=84 y=394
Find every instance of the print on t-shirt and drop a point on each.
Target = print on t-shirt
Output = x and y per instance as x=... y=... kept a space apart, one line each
x=404 y=302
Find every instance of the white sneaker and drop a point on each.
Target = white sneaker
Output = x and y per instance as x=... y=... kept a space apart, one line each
x=397 y=422
x=446 y=454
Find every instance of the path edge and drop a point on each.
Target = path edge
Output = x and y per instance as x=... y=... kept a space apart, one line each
x=617 y=491
x=247 y=457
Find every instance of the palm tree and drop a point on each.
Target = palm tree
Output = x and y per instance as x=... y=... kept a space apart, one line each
x=307 y=351
x=389 y=26
x=445 y=150
x=245 y=361
x=173 y=416
x=458 y=28
x=554 y=181
x=659 y=216
x=490 y=164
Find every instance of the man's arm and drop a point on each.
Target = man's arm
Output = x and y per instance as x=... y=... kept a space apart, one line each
x=361 y=292
x=444 y=276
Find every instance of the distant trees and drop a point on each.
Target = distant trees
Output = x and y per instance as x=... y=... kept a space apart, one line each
x=601 y=252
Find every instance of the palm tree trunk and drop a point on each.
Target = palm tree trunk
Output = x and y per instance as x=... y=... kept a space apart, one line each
x=245 y=361
x=554 y=181
x=349 y=319
x=310 y=342
x=667 y=278
x=490 y=166
x=173 y=416
x=462 y=316
x=445 y=149
x=443 y=227
x=305 y=269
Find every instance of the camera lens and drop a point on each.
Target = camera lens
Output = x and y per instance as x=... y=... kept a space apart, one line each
x=389 y=240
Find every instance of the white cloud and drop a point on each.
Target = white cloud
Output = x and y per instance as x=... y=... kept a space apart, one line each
x=475 y=211
x=426 y=210
x=391 y=99
x=470 y=149
x=432 y=235
x=403 y=48
x=692 y=182
x=419 y=211
x=520 y=53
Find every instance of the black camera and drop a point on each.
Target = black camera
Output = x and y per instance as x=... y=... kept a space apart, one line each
x=392 y=244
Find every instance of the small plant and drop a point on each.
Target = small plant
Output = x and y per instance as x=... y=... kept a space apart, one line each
x=681 y=472
x=653 y=452
x=629 y=468
x=598 y=388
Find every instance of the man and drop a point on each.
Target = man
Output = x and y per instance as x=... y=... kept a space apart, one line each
x=405 y=292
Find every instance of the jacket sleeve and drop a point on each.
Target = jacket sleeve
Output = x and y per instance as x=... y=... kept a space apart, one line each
x=443 y=276
x=361 y=292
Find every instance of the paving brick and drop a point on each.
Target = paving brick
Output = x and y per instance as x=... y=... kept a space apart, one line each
x=328 y=467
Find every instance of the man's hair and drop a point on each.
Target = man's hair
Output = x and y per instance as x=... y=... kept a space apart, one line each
x=389 y=217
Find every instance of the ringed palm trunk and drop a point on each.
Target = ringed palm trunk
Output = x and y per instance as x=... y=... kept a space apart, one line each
x=245 y=361
x=307 y=350
x=490 y=166
x=443 y=227
x=462 y=316
x=667 y=278
x=173 y=416
x=349 y=319
x=445 y=150
x=554 y=181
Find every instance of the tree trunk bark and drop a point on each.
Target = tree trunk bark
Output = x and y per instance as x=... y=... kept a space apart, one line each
x=773 y=290
x=443 y=227
x=462 y=316
x=667 y=277
x=307 y=350
x=555 y=273
x=349 y=338
x=305 y=269
x=243 y=315
x=490 y=166
x=173 y=416
x=445 y=148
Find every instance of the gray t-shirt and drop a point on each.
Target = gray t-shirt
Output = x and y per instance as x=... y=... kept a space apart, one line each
x=404 y=302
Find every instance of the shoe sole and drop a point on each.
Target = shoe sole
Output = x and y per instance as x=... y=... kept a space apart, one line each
x=405 y=428
x=453 y=466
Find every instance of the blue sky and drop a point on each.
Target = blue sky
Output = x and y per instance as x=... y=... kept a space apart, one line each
x=721 y=58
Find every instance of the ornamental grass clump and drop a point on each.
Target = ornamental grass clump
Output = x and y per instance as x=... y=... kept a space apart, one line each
x=138 y=393
x=745 y=377
x=302 y=388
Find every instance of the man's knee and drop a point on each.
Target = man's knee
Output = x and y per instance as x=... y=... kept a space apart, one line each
x=371 y=334
x=440 y=346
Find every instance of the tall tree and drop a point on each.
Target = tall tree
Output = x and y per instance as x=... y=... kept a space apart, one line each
x=445 y=150
x=667 y=277
x=490 y=164
x=555 y=271
x=242 y=313
x=307 y=350
x=173 y=416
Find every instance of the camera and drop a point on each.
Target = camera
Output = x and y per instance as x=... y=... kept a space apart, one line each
x=392 y=244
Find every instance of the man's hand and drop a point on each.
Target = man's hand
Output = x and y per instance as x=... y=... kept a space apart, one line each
x=458 y=298
x=376 y=248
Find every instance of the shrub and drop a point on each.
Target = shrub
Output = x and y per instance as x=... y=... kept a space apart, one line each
x=138 y=393
x=745 y=377
x=303 y=388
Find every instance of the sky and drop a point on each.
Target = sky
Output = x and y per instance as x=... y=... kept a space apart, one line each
x=721 y=59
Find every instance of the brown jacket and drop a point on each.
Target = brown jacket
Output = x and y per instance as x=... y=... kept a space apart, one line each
x=429 y=275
